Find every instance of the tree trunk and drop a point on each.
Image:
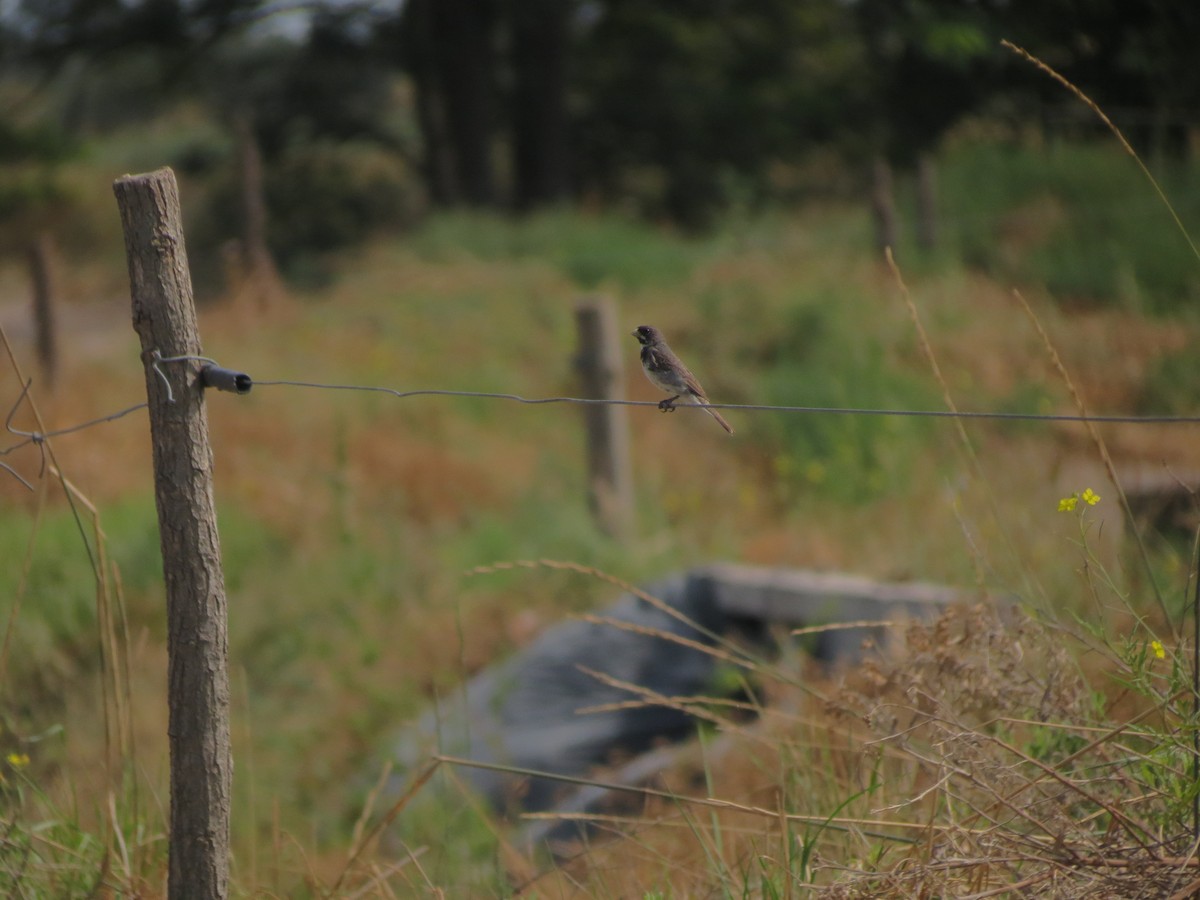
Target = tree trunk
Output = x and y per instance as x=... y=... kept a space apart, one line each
x=420 y=60
x=464 y=34
x=164 y=317
x=539 y=109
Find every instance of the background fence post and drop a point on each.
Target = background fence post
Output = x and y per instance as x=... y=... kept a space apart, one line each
x=883 y=204
x=198 y=682
x=257 y=267
x=41 y=273
x=927 y=203
x=610 y=475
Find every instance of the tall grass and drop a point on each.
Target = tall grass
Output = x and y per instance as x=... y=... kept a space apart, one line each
x=347 y=522
x=1077 y=220
x=591 y=251
x=999 y=755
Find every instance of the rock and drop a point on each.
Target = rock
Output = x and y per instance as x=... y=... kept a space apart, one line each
x=525 y=712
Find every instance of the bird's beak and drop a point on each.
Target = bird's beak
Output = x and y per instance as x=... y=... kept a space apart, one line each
x=634 y=333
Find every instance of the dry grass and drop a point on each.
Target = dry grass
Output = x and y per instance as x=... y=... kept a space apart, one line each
x=924 y=775
x=972 y=759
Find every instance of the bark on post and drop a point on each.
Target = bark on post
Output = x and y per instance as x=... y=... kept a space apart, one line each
x=41 y=271
x=610 y=478
x=198 y=691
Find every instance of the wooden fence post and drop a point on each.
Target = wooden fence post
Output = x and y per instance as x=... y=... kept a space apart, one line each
x=927 y=202
x=198 y=682
x=610 y=478
x=41 y=272
x=257 y=265
x=883 y=203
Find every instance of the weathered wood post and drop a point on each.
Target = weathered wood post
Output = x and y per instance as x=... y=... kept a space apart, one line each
x=883 y=203
x=610 y=478
x=927 y=202
x=198 y=682
x=41 y=274
x=257 y=264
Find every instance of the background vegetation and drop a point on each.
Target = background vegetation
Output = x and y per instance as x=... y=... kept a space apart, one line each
x=737 y=223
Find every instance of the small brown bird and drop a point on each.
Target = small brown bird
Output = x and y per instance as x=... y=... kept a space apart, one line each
x=667 y=373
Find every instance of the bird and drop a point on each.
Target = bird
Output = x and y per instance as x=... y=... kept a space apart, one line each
x=667 y=373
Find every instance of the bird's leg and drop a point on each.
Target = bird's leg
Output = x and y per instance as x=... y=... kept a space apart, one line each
x=668 y=405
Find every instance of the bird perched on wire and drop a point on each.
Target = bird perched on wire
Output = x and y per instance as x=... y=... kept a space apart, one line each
x=667 y=373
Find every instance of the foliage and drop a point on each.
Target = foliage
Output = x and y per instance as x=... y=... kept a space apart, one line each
x=719 y=95
x=40 y=142
x=1172 y=385
x=1074 y=218
x=326 y=196
x=349 y=519
x=724 y=92
x=592 y=251
x=820 y=356
x=322 y=196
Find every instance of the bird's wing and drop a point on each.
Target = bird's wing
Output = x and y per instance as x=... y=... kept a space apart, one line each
x=692 y=384
x=662 y=359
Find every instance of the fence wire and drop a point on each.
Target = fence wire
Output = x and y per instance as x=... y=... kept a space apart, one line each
x=38 y=438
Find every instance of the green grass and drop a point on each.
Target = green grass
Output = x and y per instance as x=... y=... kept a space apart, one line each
x=1080 y=220
x=821 y=356
x=55 y=634
x=349 y=521
x=1172 y=385
x=590 y=251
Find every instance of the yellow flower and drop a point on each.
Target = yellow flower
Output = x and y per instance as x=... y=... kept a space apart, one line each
x=1090 y=497
x=1066 y=504
x=18 y=760
x=1157 y=647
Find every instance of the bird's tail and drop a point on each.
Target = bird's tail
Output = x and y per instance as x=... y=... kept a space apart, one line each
x=716 y=415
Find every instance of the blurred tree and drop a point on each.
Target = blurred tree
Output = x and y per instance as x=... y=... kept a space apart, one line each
x=539 y=35
x=177 y=29
x=1136 y=58
x=327 y=112
x=335 y=84
x=683 y=106
x=448 y=48
x=930 y=62
x=411 y=36
x=699 y=97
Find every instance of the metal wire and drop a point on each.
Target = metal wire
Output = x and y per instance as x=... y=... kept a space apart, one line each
x=39 y=438
x=756 y=407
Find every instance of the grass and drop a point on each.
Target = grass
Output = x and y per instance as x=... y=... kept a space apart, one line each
x=591 y=252
x=1079 y=221
x=349 y=522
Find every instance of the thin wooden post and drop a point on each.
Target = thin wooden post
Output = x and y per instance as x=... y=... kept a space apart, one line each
x=883 y=204
x=257 y=264
x=41 y=273
x=927 y=202
x=610 y=478
x=198 y=682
